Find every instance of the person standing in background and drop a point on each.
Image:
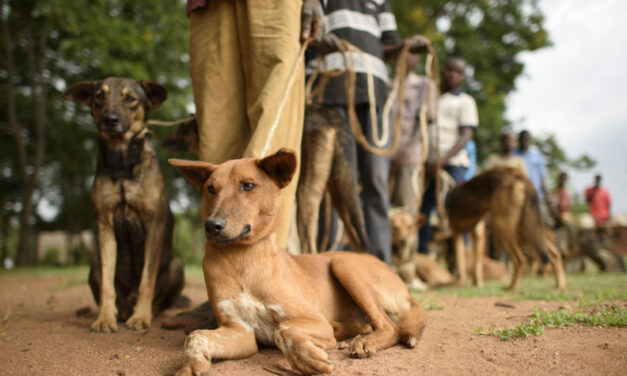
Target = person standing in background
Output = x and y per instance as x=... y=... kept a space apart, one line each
x=536 y=171
x=599 y=202
x=371 y=27
x=406 y=163
x=457 y=120
x=560 y=199
x=506 y=157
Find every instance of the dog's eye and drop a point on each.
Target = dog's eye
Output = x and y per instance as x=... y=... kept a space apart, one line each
x=247 y=187
x=211 y=189
x=129 y=99
x=99 y=96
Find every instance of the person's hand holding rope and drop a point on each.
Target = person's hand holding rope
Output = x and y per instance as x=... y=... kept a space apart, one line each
x=418 y=44
x=330 y=43
x=311 y=21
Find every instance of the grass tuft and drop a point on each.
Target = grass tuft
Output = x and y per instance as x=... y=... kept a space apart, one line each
x=587 y=289
x=603 y=316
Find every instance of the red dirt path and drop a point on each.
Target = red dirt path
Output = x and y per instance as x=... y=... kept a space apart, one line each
x=43 y=336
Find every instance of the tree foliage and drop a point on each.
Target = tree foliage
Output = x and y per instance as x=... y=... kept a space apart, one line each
x=49 y=45
x=47 y=145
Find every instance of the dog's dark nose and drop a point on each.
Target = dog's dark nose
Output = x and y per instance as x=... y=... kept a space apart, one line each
x=110 y=119
x=214 y=226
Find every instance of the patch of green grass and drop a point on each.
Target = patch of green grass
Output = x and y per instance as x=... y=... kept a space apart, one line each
x=603 y=316
x=194 y=271
x=47 y=271
x=587 y=289
x=428 y=305
x=73 y=275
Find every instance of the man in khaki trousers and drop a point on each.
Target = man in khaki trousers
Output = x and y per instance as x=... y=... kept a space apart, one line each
x=242 y=57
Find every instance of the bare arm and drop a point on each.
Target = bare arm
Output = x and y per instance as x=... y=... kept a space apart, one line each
x=466 y=134
x=417 y=44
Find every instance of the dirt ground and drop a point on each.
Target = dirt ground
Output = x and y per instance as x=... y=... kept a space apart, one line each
x=40 y=334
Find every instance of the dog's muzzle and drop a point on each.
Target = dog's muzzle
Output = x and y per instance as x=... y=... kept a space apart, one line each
x=214 y=228
x=111 y=123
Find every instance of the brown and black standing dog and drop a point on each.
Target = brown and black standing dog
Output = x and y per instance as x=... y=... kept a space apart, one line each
x=260 y=293
x=135 y=274
x=328 y=162
x=511 y=201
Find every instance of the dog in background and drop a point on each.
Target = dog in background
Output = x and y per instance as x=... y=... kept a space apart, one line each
x=509 y=198
x=328 y=163
x=302 y=304
x=184 y=139
x=135 y=275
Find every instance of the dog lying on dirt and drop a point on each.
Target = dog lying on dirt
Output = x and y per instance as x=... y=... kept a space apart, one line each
x=135 y=275
x=511 y=201
x=259 y=293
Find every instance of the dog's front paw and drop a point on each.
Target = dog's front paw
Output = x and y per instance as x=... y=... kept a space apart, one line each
x=105 y=323
x=302 y=354
x=195 y=370
x=139 y=321
x=197 y=356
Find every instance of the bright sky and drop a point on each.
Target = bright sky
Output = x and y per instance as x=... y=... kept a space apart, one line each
x=577 y=89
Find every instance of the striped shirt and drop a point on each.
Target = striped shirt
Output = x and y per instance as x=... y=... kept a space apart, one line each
x=369 y=25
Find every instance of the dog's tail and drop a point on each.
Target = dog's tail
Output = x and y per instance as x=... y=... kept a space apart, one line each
x=344 y=189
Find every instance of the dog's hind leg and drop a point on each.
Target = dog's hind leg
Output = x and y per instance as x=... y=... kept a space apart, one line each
x=385 y=332
x=343 y=187
x=317 y=157
x=478 y=247
x=555 y=258
x=349 y=329
x=412 y=324
x=508 y=242
x=460 y=258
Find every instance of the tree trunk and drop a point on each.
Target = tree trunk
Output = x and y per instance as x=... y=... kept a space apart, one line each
x=4 y=235
x=26 y=250
x=26 y=159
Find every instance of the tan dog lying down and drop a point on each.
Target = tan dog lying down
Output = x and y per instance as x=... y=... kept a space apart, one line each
x=260 y=293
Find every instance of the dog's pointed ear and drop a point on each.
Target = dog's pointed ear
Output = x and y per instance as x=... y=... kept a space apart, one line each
x=81 y=91
x=196 y=172
x=280 y=166
x=155 y=93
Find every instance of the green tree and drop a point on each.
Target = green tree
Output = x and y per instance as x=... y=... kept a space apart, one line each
x=48 y=145
x=557 y=160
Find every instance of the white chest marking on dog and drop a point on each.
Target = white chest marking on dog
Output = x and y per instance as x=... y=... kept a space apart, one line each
x=253 y=315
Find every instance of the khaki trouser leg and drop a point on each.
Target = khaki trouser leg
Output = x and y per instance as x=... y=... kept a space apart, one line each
x=241 y=58
x=270 y=40
x=217 y=79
